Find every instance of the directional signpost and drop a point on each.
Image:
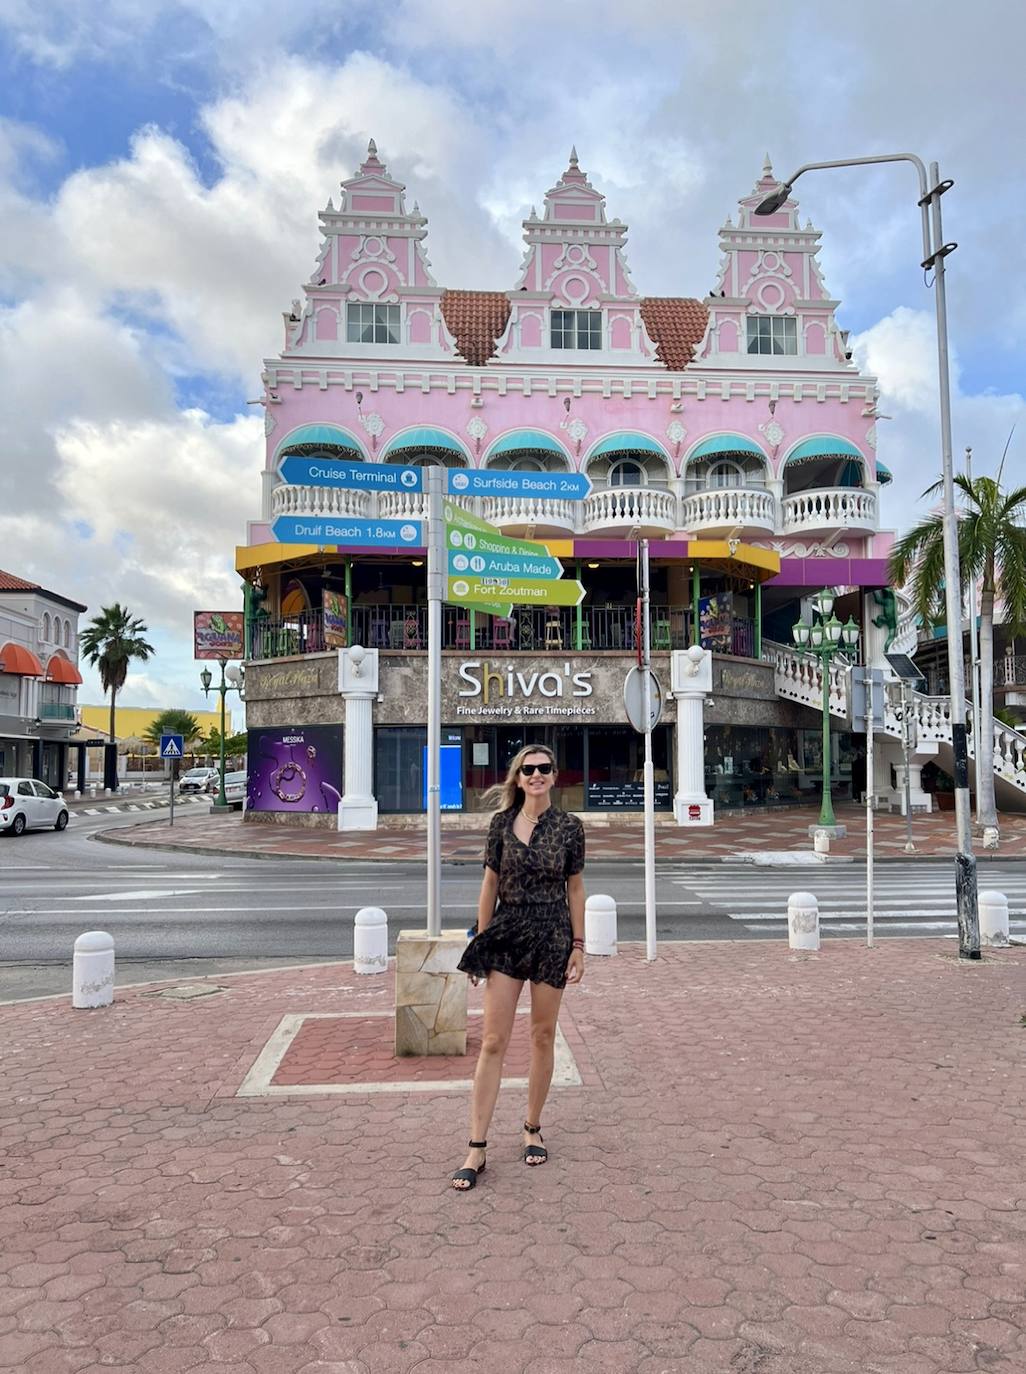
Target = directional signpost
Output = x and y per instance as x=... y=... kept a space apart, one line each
x=564 y=486
x=332 y=472
x=339 y=529
x=172 y=747
x=520 y=590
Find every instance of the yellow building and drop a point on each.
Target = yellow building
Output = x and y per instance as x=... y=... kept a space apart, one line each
x=132 y=722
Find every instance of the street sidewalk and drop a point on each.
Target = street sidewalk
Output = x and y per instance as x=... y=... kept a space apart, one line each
x=732 y=835
x=761 y=1162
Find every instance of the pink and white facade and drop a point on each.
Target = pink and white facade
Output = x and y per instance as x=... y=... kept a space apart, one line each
x=735 y=431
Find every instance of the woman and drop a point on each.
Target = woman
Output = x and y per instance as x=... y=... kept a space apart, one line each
x=530 y=927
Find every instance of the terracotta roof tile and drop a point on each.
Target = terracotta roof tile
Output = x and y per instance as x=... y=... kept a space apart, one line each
x=676 y=325
x=475 y=319
x=10 y=583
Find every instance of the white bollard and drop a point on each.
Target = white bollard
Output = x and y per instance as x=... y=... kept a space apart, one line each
x=600 y=924
x=92 y=975
x=92 y=790
x=370 y=940
x=993 y=919
x=803 y=921
x=821 y=842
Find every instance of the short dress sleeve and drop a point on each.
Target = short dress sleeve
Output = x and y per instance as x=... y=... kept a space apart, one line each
x=575 y=848
x=493 y=844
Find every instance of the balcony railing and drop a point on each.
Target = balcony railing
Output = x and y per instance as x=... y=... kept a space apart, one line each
x=612 y=509
x=843 y=508
x=1010 y=671
x=57 y=710
x=403 y=628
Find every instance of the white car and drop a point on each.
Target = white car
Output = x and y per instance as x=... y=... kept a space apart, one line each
x=28 y=804
x=196 y=779
x=235 y=790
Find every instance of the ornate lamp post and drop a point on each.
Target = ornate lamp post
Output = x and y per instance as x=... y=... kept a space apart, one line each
x=825 y=637
x=235 y=683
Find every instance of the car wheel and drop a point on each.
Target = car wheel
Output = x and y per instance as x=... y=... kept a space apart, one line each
x=18 y=824
x=62 y=821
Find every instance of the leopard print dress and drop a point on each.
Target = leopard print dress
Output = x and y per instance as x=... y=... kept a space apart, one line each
x=529 y=936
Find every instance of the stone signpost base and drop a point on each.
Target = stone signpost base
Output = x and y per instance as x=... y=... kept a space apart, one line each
x=430 y=995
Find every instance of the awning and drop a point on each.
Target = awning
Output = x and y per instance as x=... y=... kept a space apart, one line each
x=424 y=437
x=627 y=441
x=527 y=440
x=883 y=474
x=248 y=556
x=824 y=446
x=332 y=437
x=15 y=658
x=726 y=443
x=62 y=670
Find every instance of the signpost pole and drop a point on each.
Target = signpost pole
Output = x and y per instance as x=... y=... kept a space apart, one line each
x=870 y=723
x=436 y=587
x=649 y=772
x=174 y=770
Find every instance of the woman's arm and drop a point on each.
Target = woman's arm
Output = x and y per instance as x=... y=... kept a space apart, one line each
x=575 y=901
x=486 y=901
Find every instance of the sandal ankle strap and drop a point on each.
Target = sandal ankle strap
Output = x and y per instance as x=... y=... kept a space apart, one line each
x=532 y=1130
x=477 y=1144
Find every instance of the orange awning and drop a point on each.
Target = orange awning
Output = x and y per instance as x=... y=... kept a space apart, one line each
x=62 y=670
x=15 y=658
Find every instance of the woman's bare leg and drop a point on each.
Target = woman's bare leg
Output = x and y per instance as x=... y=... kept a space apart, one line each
x=500 y=1005
x=545 y=1002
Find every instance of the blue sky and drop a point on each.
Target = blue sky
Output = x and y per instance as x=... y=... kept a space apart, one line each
x=148 y=147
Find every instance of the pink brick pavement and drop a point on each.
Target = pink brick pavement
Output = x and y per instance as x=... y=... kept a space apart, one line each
x=934 y=836
x=776 y=1164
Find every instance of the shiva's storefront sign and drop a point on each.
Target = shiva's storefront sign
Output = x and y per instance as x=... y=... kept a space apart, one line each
x=514 y=693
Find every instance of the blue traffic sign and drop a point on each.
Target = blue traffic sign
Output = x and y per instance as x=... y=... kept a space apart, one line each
x=333 y=472
x=172 y=746
x=568 y=486
x=318 y=529
x=518 y=565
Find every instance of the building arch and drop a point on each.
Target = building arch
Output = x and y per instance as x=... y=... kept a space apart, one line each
x=330 y=440
x=614 y=459
x=530 y=449
x=711 y=461
x=823 y=461
x=426 y=445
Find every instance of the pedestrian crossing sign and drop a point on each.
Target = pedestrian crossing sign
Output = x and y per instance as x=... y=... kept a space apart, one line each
x=172 y=746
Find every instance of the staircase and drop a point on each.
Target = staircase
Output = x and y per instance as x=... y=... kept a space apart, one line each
x=799 y=677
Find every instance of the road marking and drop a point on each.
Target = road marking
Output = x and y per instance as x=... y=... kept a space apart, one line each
x=882 y=929
x=146 y=894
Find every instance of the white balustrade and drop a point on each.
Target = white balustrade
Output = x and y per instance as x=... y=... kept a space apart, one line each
x=799 y=677
x=296 y=500
x=724 y=507
x=402 y=505
x=630 y=506
x=528 y=510
x=846 y=508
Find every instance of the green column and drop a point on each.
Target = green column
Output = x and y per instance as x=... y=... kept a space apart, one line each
x=473 y=630
x=579 y=618
x=758 y=620
x=348 y=567
x=696 y=592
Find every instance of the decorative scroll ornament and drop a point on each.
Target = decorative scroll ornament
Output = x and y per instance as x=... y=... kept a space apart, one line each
x=476 y=428
x=675 y=432
x=577 y=430
x=270 y=423
x=793 y=549
x=373 y=424
x=773 y=432
x=871 y=436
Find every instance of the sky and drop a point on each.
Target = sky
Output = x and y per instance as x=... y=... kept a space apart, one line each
x=162 y=163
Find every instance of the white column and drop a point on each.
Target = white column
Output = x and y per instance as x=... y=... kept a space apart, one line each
x=268 y=482
x=358 y=684
x=691 y=680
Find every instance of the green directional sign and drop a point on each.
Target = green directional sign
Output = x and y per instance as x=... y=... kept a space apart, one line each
x=478 y=564
x=523 y=591
x=466 y=532
x=502 y=609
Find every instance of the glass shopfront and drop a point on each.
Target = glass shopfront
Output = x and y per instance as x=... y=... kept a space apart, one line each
x=751 y=766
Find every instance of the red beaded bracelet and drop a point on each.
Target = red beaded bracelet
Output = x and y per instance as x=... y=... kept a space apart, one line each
x=578 y=944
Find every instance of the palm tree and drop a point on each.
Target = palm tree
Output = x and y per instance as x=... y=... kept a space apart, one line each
x=110 y=642
x=992 y=552
x=173 y=722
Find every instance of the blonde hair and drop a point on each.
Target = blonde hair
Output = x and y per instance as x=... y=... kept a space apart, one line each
x=509 y=793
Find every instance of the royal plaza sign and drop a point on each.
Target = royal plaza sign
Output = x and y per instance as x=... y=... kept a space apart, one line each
x=491 y=689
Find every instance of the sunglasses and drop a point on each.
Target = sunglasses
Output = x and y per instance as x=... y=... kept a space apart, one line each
x=543 y=768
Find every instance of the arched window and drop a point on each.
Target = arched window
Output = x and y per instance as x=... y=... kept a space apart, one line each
x=67 y=634
x=626 y=473
x=46 y=625
x=726 y=473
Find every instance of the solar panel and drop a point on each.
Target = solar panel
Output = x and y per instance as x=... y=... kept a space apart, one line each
x=904 y=667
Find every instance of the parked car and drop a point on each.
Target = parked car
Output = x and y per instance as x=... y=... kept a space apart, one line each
x=28 y=804
x=235 y=790
x=196 y=779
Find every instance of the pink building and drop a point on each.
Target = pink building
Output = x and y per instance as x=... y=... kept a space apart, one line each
x=734 y=431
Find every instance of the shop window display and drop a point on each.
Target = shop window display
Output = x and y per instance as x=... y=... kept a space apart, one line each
x=748 y=766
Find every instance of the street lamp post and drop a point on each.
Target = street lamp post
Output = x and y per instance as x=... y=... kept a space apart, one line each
x=825 y=637
x=935 y=250
x=234 y=683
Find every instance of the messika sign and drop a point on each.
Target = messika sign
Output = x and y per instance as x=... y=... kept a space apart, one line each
x=497 y=690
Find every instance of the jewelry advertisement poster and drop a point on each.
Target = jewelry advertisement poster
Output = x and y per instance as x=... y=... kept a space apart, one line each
x=295 y=769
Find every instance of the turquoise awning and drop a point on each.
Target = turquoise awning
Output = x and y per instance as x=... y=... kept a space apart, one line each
x=530 y=440
x=823 y=447
x=322 y=436
x=627 y=441
x=883 y=474
x=424 y=437
x=726 y=443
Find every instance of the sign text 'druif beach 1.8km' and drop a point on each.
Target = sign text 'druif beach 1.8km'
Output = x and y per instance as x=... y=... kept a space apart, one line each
x=318 y=529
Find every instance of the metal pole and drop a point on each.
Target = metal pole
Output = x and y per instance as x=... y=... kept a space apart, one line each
x=758 y=620
x=906 y=736
x=868 y=680
x=974 y=658
x=966 y=895
x=435 y=592
x=222 y=800
x=649 y=771
x=826 y=809
x=172 y=818
x=696 y=596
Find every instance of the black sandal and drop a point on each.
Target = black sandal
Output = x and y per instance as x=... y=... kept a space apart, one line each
x=534 y=1154
x=470 y=1176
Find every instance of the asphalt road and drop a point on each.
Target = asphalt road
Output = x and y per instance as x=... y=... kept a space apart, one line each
x=184 y=915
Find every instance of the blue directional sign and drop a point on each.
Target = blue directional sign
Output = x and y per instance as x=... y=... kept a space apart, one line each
x=325 y=529
x=172 y=746
x=505 y=565
x=334 y=472
x=568 y=486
